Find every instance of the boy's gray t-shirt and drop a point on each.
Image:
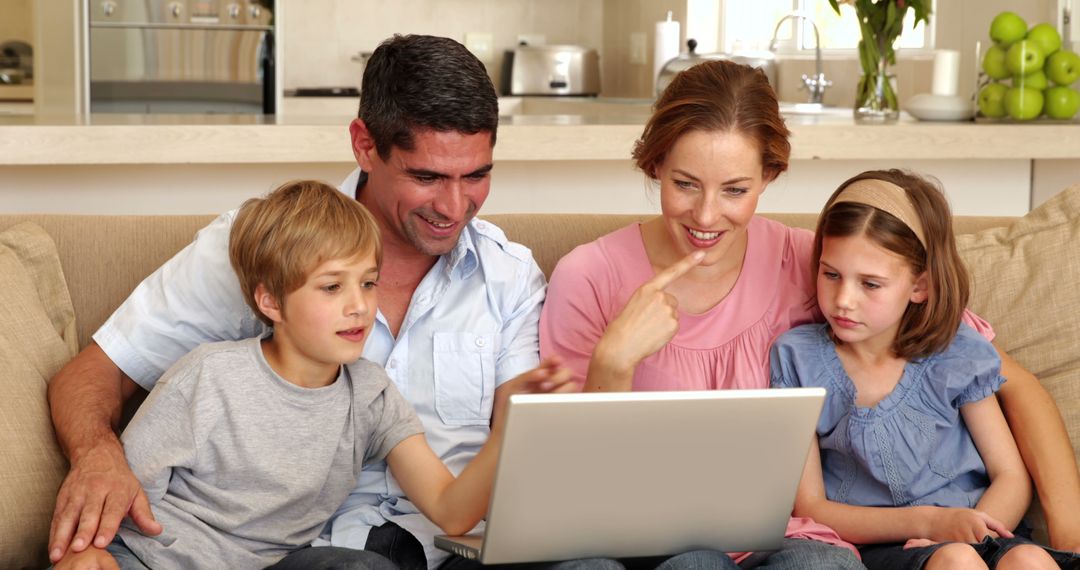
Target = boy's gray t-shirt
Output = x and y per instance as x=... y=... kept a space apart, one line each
x=242 y=467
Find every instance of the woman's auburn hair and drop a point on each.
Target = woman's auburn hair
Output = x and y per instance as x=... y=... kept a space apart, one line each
x=925 y=328
x=716 y=96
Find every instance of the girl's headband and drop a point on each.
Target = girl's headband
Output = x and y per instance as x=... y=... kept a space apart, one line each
x=887 y=197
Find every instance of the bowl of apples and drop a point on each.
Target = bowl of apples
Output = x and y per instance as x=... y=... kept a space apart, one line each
x=1026 y=74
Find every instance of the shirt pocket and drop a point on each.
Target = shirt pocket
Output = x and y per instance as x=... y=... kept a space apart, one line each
x=464 y=365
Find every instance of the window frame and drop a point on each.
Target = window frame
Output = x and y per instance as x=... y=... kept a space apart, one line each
x=803 y=46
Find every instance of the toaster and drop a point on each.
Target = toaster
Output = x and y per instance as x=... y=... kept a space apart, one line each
x=551 y=70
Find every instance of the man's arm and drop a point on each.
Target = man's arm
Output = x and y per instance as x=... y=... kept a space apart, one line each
x=1044 y=444
x=86 y=398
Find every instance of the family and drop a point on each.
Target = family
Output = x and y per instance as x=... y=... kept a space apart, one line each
x=328 y=369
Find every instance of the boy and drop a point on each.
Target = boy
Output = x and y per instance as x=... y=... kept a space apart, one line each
x=246 y=448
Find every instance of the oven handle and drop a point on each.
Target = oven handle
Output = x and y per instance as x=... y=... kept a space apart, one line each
x=153 y=26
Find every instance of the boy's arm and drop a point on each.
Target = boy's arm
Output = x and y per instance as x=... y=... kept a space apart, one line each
x=456 y=505
x=1009 y=492
x=874 y=525
x=1040 y=435
x=85 y=398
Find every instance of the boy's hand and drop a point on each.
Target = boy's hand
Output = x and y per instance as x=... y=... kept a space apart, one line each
x=92 y=558
x=549 y=377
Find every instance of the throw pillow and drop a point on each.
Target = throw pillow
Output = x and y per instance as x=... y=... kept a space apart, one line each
x=37 y=336
x=1027 y=284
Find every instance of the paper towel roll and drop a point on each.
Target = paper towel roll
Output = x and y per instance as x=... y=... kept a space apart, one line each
x=946 y=72
x=665 y=46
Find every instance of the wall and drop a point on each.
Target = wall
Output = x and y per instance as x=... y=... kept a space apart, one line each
x=622 y=77
x=320 y=37
x=16 y=21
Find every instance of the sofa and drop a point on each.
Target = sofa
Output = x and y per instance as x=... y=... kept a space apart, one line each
x=62 y=275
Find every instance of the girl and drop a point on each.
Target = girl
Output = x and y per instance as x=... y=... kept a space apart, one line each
x=913 y=444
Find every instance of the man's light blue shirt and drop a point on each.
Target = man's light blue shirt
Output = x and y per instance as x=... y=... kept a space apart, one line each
x=472 y=324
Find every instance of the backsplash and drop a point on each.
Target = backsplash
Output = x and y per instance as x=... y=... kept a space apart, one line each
x=319 y=37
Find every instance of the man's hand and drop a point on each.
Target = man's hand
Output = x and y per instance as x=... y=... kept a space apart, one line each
x=90 y=559
x=97 y=493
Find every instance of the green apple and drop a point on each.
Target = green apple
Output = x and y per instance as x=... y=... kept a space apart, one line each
x=1046 y=37
x=1062 y=102
x=1007 y=28
x=992 y=100
x=993 y=63
x=1035 y=80
x=1024 y=57
x=1063 y=67
x=1023 y=103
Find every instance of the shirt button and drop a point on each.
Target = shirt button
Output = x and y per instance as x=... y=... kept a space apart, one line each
x=480 y=225
x=392 y=363
x=480 y=342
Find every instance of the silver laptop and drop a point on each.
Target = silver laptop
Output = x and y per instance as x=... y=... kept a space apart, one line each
x=644 y=474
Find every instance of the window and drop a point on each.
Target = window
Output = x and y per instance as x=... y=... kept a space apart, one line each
x=749 y=24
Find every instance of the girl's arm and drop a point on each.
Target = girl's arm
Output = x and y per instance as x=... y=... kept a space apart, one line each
x=456 y=505
x=1040 y=435
x=1010 y=488
x=873 y=525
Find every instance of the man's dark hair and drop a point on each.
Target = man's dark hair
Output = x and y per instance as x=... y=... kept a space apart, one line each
x=416 y=82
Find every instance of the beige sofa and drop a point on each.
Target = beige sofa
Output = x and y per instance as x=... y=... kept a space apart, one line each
x=1026 y=270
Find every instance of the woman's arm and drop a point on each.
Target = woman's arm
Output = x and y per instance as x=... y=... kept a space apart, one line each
x=1009 y=492
x=649 y=320
x=1040 y=435
x=873 y=525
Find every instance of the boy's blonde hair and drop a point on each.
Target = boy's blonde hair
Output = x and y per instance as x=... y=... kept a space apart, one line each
x=278 y=240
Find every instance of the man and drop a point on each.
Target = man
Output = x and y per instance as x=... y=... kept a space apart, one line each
x=458 y=308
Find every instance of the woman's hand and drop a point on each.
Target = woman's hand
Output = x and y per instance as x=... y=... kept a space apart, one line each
x=963 y=525
x=649 y=320
x=93 y=558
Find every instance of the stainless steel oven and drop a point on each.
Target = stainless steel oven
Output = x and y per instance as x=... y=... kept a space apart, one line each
x=181 y=56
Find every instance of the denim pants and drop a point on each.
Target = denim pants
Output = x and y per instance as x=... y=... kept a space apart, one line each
x=799 y=553
x=321 y=557
x=401 y=547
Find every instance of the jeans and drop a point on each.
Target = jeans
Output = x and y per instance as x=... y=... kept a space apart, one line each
x=693 y=560
x=799 y=553
x=332 y=557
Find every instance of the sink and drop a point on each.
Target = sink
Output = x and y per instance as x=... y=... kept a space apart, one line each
x=813 y=109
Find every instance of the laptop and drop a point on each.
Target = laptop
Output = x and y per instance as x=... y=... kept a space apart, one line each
x=634 y=474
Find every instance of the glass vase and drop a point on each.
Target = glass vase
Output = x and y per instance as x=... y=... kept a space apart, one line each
x=875 y=100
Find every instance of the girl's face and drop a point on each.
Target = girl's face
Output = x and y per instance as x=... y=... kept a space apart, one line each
x=864 y=289
x=710 y=184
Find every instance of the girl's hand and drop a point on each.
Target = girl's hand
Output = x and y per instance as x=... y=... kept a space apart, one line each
x=649 y=320
x=964 y=525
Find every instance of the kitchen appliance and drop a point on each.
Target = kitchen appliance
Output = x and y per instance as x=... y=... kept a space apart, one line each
x=16 y=62
x=182 y=56
x=551 y=70
x=763 y=60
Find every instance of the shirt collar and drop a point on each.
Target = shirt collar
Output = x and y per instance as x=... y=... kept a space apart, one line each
x=464 y=252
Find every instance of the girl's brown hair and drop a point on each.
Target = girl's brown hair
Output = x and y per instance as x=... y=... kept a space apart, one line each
x=278 y=240
x=716 y=95
x=929 y=327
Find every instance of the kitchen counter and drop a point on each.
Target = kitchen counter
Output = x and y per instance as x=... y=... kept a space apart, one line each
x=227 y=139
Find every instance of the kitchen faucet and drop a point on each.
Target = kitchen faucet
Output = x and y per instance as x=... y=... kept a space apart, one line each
x=817 y=83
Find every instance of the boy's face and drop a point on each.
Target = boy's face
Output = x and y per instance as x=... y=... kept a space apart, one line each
x=326 y=321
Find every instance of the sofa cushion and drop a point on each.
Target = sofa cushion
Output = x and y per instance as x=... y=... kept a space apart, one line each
x=1027 y=284
x=37 y=336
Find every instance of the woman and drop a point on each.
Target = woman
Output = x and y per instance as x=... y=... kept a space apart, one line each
x=692 y=299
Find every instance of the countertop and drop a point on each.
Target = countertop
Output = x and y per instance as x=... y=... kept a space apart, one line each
x=224 y=139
